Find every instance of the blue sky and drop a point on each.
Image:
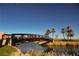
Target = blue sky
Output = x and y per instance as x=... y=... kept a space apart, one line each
x=37 y=18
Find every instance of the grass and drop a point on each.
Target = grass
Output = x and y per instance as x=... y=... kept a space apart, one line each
x=7 y=50
x=32 y=52
x=71 y=40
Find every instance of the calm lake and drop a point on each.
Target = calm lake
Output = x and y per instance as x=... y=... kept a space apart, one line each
x=25 y=46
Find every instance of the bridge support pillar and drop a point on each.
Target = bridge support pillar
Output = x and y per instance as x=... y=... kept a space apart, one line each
x=10 y=42
x=4 y=42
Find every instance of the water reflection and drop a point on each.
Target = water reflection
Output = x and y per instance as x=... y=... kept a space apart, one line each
x=65 y=50
x=25 y=46
x=58 y=50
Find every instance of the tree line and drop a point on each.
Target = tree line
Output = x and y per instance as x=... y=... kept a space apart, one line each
x=66 y=32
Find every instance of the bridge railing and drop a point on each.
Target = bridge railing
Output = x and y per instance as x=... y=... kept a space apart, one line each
x=23 y=37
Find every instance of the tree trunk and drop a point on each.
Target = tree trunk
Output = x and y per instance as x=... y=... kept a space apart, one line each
x=63 y=36
x=52 y=35
x=67 y=37
x=70 y=38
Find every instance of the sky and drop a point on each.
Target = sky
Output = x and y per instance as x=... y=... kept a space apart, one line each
x=37 y=18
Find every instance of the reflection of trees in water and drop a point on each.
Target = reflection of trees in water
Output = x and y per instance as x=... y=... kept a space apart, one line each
x=71 y=51
x=68 y=51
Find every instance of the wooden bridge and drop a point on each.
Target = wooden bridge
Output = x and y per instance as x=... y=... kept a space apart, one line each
x=12 y=39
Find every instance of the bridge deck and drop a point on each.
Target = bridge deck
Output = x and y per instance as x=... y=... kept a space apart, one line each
x=24 y=37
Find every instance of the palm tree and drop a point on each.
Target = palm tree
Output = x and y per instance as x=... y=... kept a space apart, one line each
x=52 y=30
x=69 y=32
x=63 y=32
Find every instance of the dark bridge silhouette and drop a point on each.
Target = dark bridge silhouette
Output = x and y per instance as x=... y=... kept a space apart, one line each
x=15 y=38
